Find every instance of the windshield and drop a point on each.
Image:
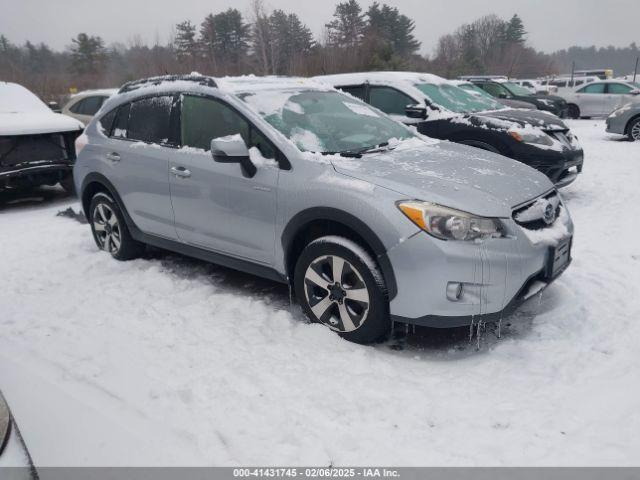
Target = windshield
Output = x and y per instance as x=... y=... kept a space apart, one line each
x=325 y=121
x=517 y=89
x=456 y=99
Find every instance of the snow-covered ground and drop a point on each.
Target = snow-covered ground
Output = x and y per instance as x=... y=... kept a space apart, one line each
x=170 y=361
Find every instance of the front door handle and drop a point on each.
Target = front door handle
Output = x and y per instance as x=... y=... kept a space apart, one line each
x=180 y=172
x=113 y=156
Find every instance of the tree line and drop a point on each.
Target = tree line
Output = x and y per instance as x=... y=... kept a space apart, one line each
x=276 y=42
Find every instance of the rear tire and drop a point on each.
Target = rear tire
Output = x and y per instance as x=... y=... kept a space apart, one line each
x=633 y=130
x=573 y=111
x=110 y=230
x=339 y=285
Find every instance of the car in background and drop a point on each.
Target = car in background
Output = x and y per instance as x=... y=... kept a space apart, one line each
x=626 y=121
x=566 y=84
x=36 y=144
x=440 y=109
x=474 y=90
x=289 y=179
x=534 y=86
x=84 y=105
x=15 y=461
x=599 y=99
x=504 y=89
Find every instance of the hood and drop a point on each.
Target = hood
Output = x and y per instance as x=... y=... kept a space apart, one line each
x=32 y=123
x=537 y=118
x=551 y=98
x=457 y=176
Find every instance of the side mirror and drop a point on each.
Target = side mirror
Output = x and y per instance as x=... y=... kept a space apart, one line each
x=232 y=149
x=502 y=95
x=416 y=111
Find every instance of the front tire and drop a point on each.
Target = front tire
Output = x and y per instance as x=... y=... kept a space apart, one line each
x=338 y=284
x=633 y=130
x=573 y=111
x=109 y=229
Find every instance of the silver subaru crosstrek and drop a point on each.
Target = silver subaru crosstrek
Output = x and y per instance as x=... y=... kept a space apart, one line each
x=368 y=221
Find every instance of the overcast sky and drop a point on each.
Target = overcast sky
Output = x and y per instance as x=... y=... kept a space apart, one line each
x=552 y=24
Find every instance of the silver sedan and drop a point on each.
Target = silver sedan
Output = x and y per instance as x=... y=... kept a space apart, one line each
x=626 y=121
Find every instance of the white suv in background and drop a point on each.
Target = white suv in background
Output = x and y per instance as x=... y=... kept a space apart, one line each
x=84 y=105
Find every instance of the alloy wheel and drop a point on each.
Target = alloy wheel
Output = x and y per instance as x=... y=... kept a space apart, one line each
x=336 y=293
x=107 y=228
x=635 y=131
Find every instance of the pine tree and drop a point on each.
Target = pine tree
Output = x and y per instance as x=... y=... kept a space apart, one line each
x=515 y=32
x=290 y=40
x=185 y=44
x=87 y=54
x=227 y=35
x=208 y=39
x=348 y=25
x=386 y=24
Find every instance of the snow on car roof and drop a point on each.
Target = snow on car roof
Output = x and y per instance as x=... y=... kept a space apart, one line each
x=381 y=77
x=98 y=91
x=246 y=83
x=15 y=98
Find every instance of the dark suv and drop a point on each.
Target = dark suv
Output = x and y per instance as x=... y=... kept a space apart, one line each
x=505 y=90
x=440 y=109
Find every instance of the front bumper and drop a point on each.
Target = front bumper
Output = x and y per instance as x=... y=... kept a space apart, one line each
x=34 y=174
x=496 y=277
x=617 y=125
x=562 y=167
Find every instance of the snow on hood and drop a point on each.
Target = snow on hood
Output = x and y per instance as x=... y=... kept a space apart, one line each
x=450 y=174
x=22 y=113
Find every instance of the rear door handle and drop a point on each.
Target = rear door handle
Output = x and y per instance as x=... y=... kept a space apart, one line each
x=113 y=156
x=180 y=172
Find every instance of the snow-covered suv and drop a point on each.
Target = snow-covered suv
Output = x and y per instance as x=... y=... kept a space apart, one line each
x=289 y=179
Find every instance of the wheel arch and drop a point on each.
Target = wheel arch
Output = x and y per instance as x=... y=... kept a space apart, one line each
x=96 y=182
x=627 y=128
x=317 y=222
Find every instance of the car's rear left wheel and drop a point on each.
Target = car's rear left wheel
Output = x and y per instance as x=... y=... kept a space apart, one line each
x=109 y=229
x=339 y=285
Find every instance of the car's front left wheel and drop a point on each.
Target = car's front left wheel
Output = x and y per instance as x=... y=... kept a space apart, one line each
x=109 y=229
x=338 y=284
x=634 y=130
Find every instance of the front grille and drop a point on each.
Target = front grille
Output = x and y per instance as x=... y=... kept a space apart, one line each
x=531 y=215
x=561 y=136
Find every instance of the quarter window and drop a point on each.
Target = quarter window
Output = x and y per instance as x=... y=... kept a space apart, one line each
x=593 y=88
x=357 y=91
x=149 y=119
x=390 y=100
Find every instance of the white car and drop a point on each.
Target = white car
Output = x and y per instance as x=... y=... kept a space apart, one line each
x=533 y=85
x=599 y=99
x=566 y=84
x=36 y=144
x=84 y=105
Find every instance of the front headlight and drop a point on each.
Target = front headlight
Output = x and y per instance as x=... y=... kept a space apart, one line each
x=530 y=135
x=448 y=224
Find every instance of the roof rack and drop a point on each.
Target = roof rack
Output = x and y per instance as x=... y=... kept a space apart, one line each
x=135 y=84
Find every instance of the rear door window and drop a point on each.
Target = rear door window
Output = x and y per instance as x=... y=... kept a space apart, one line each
x=149 y=120
x=390 y=100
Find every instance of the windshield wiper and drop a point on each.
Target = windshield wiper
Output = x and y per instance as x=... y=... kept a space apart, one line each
x=358 y=153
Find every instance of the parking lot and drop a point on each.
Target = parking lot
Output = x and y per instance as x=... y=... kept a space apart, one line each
x=167 y=360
